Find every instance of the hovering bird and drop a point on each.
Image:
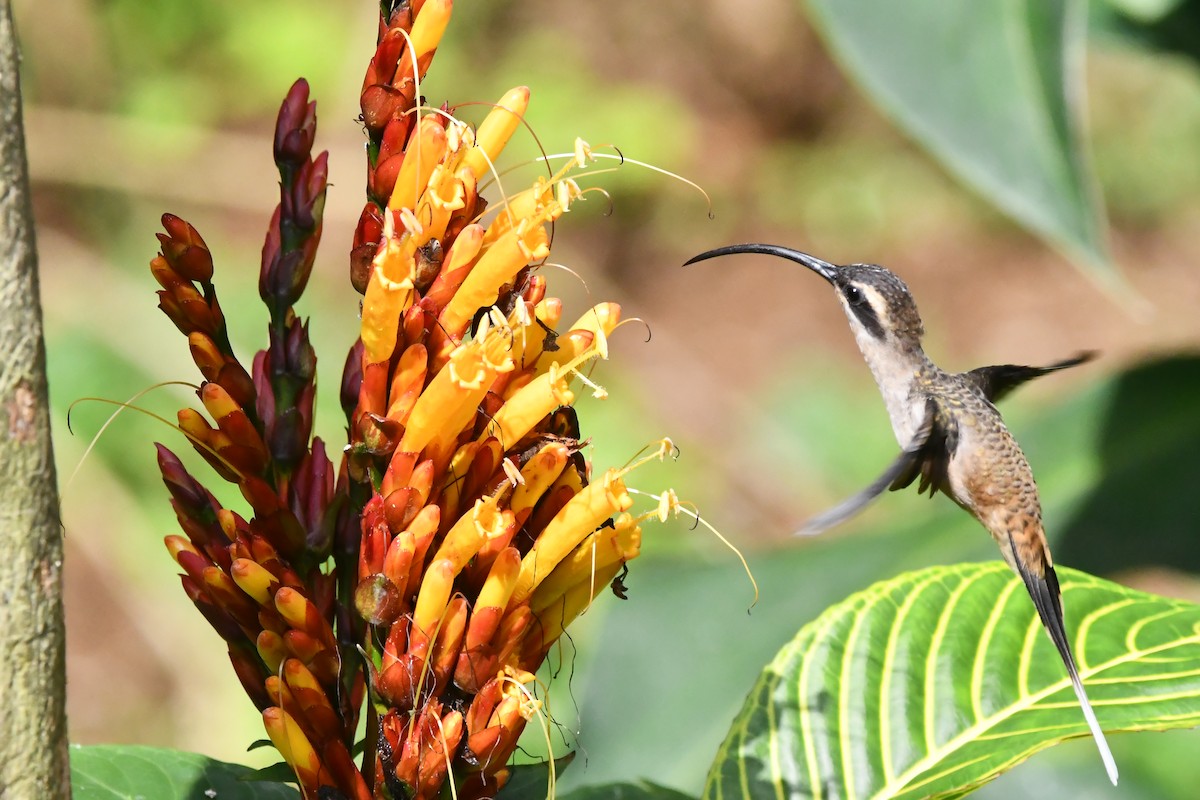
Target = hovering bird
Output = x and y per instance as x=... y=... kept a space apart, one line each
x=952 y=436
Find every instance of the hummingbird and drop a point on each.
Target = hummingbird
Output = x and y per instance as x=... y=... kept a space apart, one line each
x=952 y=437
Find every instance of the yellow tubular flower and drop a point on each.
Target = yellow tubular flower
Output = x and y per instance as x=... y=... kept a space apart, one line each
x=292 y=744
x=230 y=523
x=197 y=428
x=497 y=128
x=279 y=692
x=420 y=159
x=178 y=544
x=408 y=382
x=501 y=580
x=429 y=25
x=295 y=608
x=523 y=205
x=304 y=685
x=601 y=318
x=595 y=554
x=253 y=579
x=271 y=649
x=485 y=521
x=549 y=313
x=457 y=263
x=445 y=195
x=528 y=406
x=501 y=261
x=553 y=620
x=217 y=401
x=569 y=479
x=457 y=472
x=585 y=511
x=452 y=398
x=540 y=473
x=433 y=597
x=389 y=293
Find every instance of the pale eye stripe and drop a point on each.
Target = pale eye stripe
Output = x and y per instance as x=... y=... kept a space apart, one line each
x=867 y=313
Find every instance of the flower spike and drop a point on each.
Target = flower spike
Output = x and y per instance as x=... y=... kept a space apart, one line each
x=423 y=580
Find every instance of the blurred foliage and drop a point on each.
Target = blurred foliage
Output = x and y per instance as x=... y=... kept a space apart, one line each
x=1144 y=510
x=758 y=384
x=990 y=89
x=122 y=772
x=634 y=790
x=1168 y=26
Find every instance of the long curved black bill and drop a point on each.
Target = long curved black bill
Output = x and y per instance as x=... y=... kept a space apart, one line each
x=822 y=268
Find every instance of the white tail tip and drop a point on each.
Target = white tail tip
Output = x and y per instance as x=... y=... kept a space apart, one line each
x=1110 y=764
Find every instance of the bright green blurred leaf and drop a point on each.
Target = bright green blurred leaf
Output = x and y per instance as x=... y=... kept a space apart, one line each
x=989 y=87
x=639 y=790
x=935 y=682
x=126 y=772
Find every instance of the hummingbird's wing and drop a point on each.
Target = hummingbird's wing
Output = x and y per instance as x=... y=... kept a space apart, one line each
x=1047 y=599
x=998 y=381
x=932 y=460
x=908 y=464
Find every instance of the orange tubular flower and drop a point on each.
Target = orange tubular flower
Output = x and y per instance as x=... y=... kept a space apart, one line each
x=463 y=531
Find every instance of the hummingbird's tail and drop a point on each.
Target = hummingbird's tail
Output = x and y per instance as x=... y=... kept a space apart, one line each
x=1047 y=598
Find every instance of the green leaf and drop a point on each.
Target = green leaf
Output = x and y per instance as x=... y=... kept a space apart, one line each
x=279 y=772
x=1146 y=478
x=533 y=780
x=126 y=772
x=935 y=682
x=1166 y=26
x=637 y=790
x=990 y=88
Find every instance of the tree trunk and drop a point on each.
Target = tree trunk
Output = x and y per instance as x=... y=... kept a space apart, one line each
x=33 y=725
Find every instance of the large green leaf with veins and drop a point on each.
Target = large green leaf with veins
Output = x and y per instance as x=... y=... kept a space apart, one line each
x=994 y=90
x=934 y=682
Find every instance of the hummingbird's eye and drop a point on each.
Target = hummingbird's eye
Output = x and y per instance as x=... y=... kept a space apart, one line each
x=854 y=295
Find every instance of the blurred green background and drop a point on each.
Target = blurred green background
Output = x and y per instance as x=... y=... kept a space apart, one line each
x=135 y=107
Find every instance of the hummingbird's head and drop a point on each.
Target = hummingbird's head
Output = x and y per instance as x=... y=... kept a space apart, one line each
x=881 y=310
x=877 y=303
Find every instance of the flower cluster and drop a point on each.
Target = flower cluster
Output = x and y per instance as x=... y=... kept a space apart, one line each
x=464 y=531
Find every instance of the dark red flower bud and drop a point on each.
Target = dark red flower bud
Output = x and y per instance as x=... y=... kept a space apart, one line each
x=296 y=127
x=352 y=379
x=380 y=105
x=185 y=489
x=383 y=179
x=387 y=55
x=366 y=243
x=185 y=250
x=310 y=495
x=221 y=622
x=251 y=673
x=264 y=402
x=395 y=138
